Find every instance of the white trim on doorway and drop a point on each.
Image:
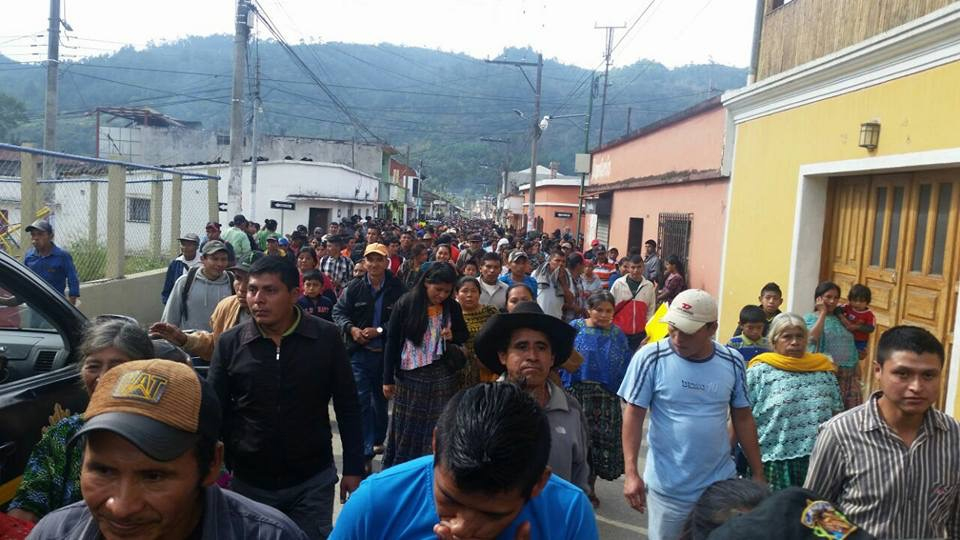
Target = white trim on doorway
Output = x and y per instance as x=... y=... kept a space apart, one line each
x=810 y=219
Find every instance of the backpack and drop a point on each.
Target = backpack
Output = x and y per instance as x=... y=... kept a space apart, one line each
x=185 y=293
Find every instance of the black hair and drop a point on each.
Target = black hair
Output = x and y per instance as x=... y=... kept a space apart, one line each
x=417 y=250
x=309 y=251
x=574 y=260
x=752 y=314
x=908 y=338
x=466 y=262
x=205 y=450
x=675 y=261
x=520 y=284
x=280 y=266
x=415 y=301
x=825 y=287
x=635 y=259
x=465 y=280
x=493 y=438
x=651 y=242
x=719 y=502
x=313 y=275
x=859 y=292
x=600 y=297
x=771 y=288
x=490 y=256
x=391 y=240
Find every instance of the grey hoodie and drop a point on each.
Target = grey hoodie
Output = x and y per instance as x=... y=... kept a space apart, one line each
x=203 y=297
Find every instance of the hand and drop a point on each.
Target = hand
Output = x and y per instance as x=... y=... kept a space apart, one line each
x=389 y=390
x=369 y=333
x=348 y=484
x=72 y=299
x=169 y=332
x=357 y=335
x=443 y=532
x=446 y=333
x=635 y=492
x=819 y=307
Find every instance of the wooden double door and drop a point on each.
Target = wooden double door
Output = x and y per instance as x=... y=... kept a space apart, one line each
x=897 y=234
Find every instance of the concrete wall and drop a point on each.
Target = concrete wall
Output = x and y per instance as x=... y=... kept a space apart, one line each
x=552 y=199
x=707 y=201
x=137 y=295
x=692 y=144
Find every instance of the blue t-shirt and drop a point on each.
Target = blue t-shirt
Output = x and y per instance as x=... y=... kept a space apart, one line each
x=527 y=280
x=689 y=403
x=398 y=504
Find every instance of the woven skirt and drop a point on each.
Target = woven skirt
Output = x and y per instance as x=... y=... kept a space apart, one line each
x=421 y=395
x=851 y=390
x=784 y=473
x=604 y=422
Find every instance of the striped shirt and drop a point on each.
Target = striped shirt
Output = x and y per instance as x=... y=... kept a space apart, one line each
x=888 y=489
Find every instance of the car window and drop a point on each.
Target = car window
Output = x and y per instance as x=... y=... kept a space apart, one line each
x=19 y=314
x=29 y=343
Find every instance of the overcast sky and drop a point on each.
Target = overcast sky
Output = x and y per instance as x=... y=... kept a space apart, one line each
x=674 y=32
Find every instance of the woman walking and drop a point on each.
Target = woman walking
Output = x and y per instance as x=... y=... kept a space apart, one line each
x=830 y=336
x=425 y=321
x=793 y=391
x=674 y=283
x=606 y=354
x=475 y=314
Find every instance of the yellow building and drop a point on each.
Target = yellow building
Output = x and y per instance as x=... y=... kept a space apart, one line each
x=812 y=198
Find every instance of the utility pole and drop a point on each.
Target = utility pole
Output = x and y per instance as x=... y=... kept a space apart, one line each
x=50 y=101
x=534 y=143
x=586 y=150
x=629 y=114
x=606 y=73
x=254 y=141
x=241 y=35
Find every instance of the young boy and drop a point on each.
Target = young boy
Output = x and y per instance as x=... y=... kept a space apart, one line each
x=770 y=299
x=861 y=320
x=752 y=340
x=316 y=300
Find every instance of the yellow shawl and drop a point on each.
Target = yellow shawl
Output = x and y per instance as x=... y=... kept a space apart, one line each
x=809 y=362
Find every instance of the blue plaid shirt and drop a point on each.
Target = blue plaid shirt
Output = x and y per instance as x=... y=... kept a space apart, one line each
x=57 y=269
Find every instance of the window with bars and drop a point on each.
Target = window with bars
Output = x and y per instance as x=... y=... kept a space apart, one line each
x=138 y=210
x=673 y=236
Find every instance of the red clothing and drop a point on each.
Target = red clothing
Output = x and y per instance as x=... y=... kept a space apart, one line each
x=859 y=318
x=394 y=264
x=603 y=272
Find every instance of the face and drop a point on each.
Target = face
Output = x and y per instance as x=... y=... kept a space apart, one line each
x=269 y=300
x=469 y=296
x=475 y=245
x=910 y=381
x=695 y=345
x=470 y=270
x=473 y=515
x=556 y=261
x=376 y=265
x=613 y=254
x=188 y=248
x=443 y=254
x=635 y=270
x=97 y=363
x=333 y=228
x=753 y=330
x=438 y=292
x=519 y=266
x=133 y=496
x=528 y=357
x=859 y=305
x=770 y=302
x=588 y=271
x=312 y=288
x=272 y=246
x=305 y=262
x=393 y=248
x=213 y=233
x=240 y=286
x=40 y=239
x=405 y=241
x=602 y=315
x=517 y=295
x=214 y=264
x=791 y=342
x=650 y=249
x=489 y=272
x=334 y=249
x=830 y=299
x=360 y=268
x=373 y=236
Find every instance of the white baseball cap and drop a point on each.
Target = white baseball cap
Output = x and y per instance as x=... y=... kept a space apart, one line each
x=691 y=310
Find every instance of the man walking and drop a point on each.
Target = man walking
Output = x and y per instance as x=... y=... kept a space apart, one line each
x=195 y=294
x=236 y=236
x=189 y=258
x=692 y=384
x=49 y=261
x=635 y=301
x=493 y=292
x=275 y=376
x=362 y=313
x=653 y=268
x=892 y=465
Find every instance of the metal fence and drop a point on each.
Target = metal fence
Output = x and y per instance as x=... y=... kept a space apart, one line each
x=115 y=218
x=674 y=238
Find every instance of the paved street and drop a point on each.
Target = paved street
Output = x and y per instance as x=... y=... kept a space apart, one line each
x=615 y=519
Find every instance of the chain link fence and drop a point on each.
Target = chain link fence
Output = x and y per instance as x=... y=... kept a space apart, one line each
x=114 y=218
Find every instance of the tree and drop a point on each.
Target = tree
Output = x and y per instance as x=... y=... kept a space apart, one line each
x=12 y=113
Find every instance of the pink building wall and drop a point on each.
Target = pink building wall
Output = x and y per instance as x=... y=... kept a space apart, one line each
x=694 y=143
x=565 y=195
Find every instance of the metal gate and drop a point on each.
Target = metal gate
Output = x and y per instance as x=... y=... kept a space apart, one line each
x=674 y=239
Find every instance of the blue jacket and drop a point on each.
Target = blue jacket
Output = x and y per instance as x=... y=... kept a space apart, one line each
x=57 y=269
x=176 y=269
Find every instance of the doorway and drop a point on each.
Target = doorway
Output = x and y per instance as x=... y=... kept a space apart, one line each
x=319 y=217
x=635 y=235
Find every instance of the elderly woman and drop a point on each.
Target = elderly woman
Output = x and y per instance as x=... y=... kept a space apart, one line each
x=52 y=476
x=793 y=391
x=830 y=335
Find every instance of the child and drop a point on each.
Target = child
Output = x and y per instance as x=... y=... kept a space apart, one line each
x=751 y=341
x=857 y=313
x=591 y=282
x=770 y=299
x=316 y=300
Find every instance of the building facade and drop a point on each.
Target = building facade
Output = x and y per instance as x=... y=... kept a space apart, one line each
x=815 y=195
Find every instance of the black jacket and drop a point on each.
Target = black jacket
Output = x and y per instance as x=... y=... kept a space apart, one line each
x=355 y=306
x=276 y=428
x=396 y=339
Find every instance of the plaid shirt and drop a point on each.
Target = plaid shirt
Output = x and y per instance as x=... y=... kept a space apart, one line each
x=340 y=269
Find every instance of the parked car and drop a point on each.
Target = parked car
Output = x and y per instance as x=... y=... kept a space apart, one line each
x=40 y=333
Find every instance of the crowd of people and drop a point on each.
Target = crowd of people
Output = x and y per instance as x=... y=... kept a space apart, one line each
x=499 y=374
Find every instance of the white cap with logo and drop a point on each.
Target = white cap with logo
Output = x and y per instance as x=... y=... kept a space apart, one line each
x=691 y=310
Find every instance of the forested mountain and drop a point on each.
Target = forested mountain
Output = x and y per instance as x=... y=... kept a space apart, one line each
x=436 y=103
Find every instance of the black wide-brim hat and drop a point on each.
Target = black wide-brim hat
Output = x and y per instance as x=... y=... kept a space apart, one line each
x=495 y=334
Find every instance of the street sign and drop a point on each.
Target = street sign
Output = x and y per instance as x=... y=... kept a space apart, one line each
x=222 y=207
x=563 y=214
x=283 y=205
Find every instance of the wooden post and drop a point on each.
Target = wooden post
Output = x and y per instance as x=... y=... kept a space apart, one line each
x=28 y=196
x=156 y=215
x=176 y=208
x=213 y=197
x=116 y=220
x=94 y=224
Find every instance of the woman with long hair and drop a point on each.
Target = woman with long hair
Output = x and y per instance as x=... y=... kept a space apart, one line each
x=425 y=322
x=475 y=314
x=829 y=335
x=674 y=283
x=51 y=479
